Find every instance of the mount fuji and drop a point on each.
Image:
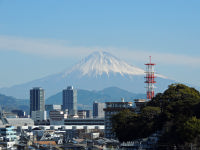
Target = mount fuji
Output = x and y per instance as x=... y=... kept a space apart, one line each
x=97 y=71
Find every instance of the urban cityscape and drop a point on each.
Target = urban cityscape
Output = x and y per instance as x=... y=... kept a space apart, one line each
x=99 y=75
x=51 y=126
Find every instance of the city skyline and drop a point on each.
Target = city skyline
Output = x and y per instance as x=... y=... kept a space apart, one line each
x=55 y=35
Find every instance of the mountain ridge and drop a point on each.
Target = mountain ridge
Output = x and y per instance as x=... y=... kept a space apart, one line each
x=95 y=72
x=86 y=97
x=9 y=103
x=102 y=62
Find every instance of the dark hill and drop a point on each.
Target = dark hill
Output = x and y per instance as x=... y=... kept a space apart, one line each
x=8 y=103
x=86 y=98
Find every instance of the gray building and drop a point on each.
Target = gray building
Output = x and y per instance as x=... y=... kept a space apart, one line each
x=52 y=107
x=98 y=111
x=37 y=101
x=88 y=113
x=70 y=100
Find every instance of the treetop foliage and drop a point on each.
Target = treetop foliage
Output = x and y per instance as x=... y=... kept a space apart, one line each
x=175 y=113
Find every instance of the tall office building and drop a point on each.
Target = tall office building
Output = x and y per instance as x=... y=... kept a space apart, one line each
x=98 y=111
x=37 y=101
x=70 y=100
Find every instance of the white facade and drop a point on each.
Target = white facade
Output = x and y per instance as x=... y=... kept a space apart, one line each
x=20 y=121
x=39 y=115
x=69 y=127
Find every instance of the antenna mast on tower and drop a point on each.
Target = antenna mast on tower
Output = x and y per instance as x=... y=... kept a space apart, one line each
x=150 y=79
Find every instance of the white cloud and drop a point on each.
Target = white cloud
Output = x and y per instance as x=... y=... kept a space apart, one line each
x=44 y=47
x=60 y=48
x=164 y=58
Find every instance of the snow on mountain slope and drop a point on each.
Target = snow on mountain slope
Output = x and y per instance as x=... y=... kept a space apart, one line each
x=99 y=63
x=95 y=72
x=102 y=62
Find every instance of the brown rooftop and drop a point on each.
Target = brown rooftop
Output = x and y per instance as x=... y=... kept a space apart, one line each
x=45 y=142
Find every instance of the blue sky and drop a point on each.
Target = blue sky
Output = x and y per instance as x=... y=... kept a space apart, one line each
x=38 y=38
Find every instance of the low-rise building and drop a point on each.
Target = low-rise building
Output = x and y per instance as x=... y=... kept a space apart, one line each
x=19 y=113
x=52 y=107
x=82 y=114
x=88 y=113
x=20 y=121
x=10 y=115
x=8 y=136
x=39 y=115
x=8 y=133
x=139 y=103
x=88 y=121
x=57 y=117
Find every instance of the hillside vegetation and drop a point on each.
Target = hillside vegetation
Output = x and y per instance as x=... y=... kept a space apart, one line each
x=9 y=103
x=174 y=113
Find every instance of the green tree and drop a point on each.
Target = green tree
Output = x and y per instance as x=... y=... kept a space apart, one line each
x=175 y=113
x=122 y=124
x=178 y=104
x=190 y=130
x=150 y=112
x=126 y=124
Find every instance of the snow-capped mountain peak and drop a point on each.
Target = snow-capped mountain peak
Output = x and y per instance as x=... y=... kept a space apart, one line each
x=95 y=72
x=100 y=62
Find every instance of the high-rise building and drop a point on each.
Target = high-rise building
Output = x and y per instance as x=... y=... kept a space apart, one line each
x=37 y=101
x=98 y=111
x=113 y=108
x=70 y=100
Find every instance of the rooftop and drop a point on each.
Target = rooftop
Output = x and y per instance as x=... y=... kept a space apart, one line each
x=20 y=121
x=118 y=102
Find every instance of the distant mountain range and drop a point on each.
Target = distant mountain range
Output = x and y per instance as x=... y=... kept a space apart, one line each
x=95 y=72
x=86 y=98
x=8 y=103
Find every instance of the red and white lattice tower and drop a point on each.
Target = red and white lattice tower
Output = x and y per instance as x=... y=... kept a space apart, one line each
x=150 y=79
